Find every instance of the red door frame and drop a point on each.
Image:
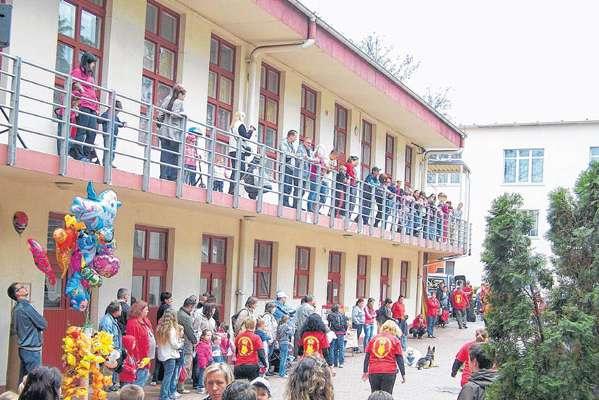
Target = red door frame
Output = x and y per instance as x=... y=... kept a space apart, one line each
x=362 y=275
x=403 y=278
x=260 y=267
x=385 y=270
x=275 y=97
x=341 y=131
x=389 y=155
x=307 y=114
x=211 y=270
x=302 y=271
x=366 y=148
x=408 y=167
x=334 y=277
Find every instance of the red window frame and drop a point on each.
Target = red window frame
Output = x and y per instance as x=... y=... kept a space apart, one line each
x=389 y=155
x=403 y=279
x=362 y=273
x=408 y=167
x=341 y=130
x=212 y=270
x=262 y=267
x=385 y=273
x=334 y=278
x=302 y=270
x=308 y=115
x=265 y=95
x=366 y=146
x=220 y=72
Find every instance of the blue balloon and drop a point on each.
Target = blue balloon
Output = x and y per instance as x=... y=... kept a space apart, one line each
x=98 y=211
x=78 y=295
x=87 y=244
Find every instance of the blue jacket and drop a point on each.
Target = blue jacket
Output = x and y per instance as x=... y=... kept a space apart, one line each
x=28 y=325
x=110 y=325
x=282 y=309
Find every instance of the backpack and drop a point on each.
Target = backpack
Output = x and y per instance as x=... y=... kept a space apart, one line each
x=234 y=320
x=381 y=316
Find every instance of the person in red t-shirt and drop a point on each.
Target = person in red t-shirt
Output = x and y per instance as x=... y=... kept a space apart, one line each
x=398 y=309
x=249 y=351
x=463 y=357
x=313 y=338
x=432 y=310
x=459 y=303
x=383 y=358
x=350 y=166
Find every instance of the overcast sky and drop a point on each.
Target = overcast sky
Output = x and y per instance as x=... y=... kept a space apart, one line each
x=505 y=61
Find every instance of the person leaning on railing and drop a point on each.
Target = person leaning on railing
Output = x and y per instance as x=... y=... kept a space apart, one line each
x=289 y=147
x=239 y=133
x=88 y=107
x=171 y=131
x=350 y=166
x=370 y=186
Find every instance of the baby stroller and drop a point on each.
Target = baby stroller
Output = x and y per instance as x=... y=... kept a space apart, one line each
x=251 y=179
x=444 y=318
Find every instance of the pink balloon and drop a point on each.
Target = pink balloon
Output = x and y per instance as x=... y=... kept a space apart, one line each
x=106 y=265
x=75 y=265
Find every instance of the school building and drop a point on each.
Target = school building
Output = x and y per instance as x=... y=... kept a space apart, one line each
x=274 y=60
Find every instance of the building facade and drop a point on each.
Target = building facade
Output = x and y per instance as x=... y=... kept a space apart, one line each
x=273 y=60
x=530 y=159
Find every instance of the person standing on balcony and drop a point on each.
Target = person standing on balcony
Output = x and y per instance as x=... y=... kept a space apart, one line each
x=318 y=186
x=289 y=148
x=341 y=181
x=110 y=142
x=171 y=131
x=192 y=157
x=89 y=106
x=240 y=135
x=371 y=184
x=350 y=167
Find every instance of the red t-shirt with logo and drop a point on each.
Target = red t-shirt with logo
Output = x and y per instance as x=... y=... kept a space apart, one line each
x=247 y=344
x=398 y=310
x=459 y=300
x=383 y=350
x=464 y=357
x=314 y=342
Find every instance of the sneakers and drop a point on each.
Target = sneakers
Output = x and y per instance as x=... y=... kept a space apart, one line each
x=153 y=383
x=201 y=391
x=177 y=395
x=341 y=366
x=184 y=391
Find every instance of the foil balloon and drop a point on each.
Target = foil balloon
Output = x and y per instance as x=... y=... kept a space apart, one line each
x=71 y=222
x=91 y=277
x=63 y=258
x=98 y=210
x=87 y=244
x=20 y=221
x=78 y=295
x=65 y=241
x=106 y=265
x=76 y=262
x=40 y=258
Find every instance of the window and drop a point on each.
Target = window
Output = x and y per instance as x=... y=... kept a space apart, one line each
x=160 y=53
x=454 y=178
x=221 y=80
x=334 y=278
x=389 y=155
x=268 y=126
x=362 y=276
x=408 y=167
x=340 y=138
x=594 y=154
x=80 y=29
x=262 y=268
x=302 y=271
x=534 y=231
x=385 y=272
x=523 y=165
x=366 y=159
x=213 y=269
x=308 y=114
x=443 y=178
x=403 y=279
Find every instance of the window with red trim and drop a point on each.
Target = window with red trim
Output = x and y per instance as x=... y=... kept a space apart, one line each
x=408 y=167
x=262 y=268
x=221 y=80
x=385 y=272
x=389 y=155
x=269 y=105
x=366 y=159
x=362 y=276
x=302 y=271
x=340 y=138
x=334 y=278
x=403 y=279
x=308 y=114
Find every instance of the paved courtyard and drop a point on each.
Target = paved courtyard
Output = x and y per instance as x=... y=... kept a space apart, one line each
x=431 y=384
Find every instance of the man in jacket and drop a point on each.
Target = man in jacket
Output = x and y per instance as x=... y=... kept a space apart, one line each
x=289 y=147
x=305 y=309
x=282 y=308
x=109 y=323
x=482 y=375
x=28 y=325
x=185 y=319
x=369 y=187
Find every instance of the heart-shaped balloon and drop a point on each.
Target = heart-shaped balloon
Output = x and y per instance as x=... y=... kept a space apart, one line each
x=106 y=265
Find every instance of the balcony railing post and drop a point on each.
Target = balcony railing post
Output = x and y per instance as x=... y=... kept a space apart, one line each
x=211 y=157
x=348 y=205
x=261 y=179
x=181 y=159
x=63 y=159
x=145 y=183
x=300 y=190
x=13 y=132
x=383 y=221
x=281 y=175
x=237 y=170
x=333 y=206
x=360 y=197
x=109 y=152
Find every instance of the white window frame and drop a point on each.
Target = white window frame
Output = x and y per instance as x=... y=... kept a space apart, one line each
x=435 y=178
x=593 y=157
x=535 y=228
x=530 y=158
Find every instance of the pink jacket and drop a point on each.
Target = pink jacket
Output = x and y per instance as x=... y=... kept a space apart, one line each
x=88 y=93
x=369 y=316
x=191 y=151
x=204 y=353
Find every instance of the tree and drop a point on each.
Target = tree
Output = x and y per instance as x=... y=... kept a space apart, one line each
x=439 y=100
x=551 y=352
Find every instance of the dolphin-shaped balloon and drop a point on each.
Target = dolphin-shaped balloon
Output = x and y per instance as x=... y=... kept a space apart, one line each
x=98 y=211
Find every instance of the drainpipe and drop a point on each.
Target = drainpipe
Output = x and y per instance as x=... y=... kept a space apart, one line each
x=254 y=67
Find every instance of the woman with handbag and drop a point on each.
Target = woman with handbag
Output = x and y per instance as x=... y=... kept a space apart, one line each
x=170 y=131
x=238 y=133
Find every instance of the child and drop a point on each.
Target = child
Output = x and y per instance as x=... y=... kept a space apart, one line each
x=204 y=356
x=226 y=344
x=129 y=368
x=261 y=332
x=115 y=129
x=418 y=327
x=217 y=352
x=340 y=188
x=219 y=174
x=284 y=333
x=191 y=156
x=72 y=119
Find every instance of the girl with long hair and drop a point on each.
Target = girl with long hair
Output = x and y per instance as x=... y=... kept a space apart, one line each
x=310 y=380
x=43 y=383
x=383 y=358
x=369 y=321
x=171 y=131
x=239 y=133
x=140 y=327
x=83 y=88
x=168 y=343
x=313 y=338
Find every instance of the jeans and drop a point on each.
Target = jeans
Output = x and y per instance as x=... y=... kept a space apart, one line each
x=283 y=353
x=379 y=212
x=368 y=334
x=366 y=208
x=142 y=377
x=178 y=367
x=168 y=157
x=218 y=186
x=314 y=190
x=78 y=151
x=460 y=315
x=200 y=375
x=291 y=183
x=352 y=200
x=167 y=380
x=234 y=170
x=158 y=374
x=29 y=361
x=190 y=176
x=338 y=349
x=384 y=382
x=430 y=325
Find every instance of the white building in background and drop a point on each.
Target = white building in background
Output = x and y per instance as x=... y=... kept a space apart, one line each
x=529 y=158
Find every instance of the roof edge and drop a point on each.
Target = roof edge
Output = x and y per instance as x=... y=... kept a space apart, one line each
x=536 y=123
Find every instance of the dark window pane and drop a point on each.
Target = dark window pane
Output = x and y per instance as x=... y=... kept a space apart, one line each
x=151 y=18
x=218 y=251
x=139 y=243
x=205 y=250
x=66 y=19
x=214 y=51
x=226 y=57
x=157 y=246
x=168 y=27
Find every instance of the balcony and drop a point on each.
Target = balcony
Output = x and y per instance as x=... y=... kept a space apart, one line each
x=201 y=163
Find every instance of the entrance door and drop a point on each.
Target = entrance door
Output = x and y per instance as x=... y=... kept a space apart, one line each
x=56 y=304
x=149 y=267
x=213 y=273
x=334 y=278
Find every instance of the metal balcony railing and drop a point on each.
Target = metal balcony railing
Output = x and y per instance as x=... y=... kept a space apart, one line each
x=38 y=104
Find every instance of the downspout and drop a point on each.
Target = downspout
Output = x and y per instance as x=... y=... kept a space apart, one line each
x=254 y=66
x=240 y=246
